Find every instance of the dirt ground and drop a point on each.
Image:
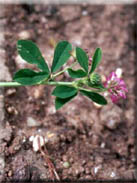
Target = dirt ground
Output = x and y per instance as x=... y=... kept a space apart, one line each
x=87 y=142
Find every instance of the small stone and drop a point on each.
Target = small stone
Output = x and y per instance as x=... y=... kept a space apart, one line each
x=84 y=12
x=10 y=173
x=111 y=124
x=112 y=174
x=43 y=20
x=83 y=162
x=24 y=34
x=37 y=93
x=96 y=169
x=31 y=138
x=51 y=109
x=66 y=164
x=12 y=110
x=10 y=91
x=31 y=122
x=24 y=139
x=103 y=145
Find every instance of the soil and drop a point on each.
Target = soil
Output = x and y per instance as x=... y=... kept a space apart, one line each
x=85 y=141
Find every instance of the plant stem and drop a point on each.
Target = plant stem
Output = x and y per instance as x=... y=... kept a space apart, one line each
x=59 y=73
x=10 y=84
x=54 y=83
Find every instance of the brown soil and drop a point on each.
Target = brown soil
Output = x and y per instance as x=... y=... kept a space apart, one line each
x=97 y=143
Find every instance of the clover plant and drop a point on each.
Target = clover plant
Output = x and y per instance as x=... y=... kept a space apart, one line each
x=84 y=80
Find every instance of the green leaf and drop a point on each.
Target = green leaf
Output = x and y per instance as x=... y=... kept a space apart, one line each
x=64 y=91
x=61 y=55
x=31 y=54
x=82 y=58
x=77 y=73
x=29 y=77
x=95 y=97
x=96 y=59
x=59 y=102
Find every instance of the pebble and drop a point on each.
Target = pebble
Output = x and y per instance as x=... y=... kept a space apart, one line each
x=10 y=91
x=24 y=139
x=31 y=138
x=66 y=164
x=31 y=122
x=43 y=20
x=10 y=173
x=111 y=124
x=51 y=110
x=103 y=145
x=84 y=12
x=12 y=110
x=96 y=169
x=24 y=35
x=112 y=174
x=37 y=93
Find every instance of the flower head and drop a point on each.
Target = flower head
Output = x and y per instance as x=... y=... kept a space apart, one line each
x=116 y=87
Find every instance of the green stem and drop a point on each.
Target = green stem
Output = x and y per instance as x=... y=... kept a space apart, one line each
x=59 y=73
x=54 y=83
x=10 y=84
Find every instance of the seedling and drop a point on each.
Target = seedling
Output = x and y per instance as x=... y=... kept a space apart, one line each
x=85 y=80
